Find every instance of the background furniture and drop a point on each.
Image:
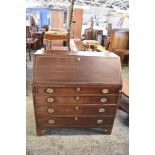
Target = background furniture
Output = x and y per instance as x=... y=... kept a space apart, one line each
x=76 y=27
x=106 y=42
x=38 y=35
x=124 y=101
x=92 y=34
x=46 y=28
x=119 y=39
x=42 y=15
x=55 y=34
x=119 y=42
x=29 y=43
x=89 y=34
x=60 y=33
x=123 y=54
x=99 y=36
x=28 y=34
x=57 y=17
x=90 y=45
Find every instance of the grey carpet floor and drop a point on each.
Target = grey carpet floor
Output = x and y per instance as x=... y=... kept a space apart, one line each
x=75 y=141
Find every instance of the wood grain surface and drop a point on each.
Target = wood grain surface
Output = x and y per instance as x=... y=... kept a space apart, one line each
x=68 y=70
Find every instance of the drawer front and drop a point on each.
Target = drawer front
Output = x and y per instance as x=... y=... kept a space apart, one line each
x=74 y=121
x=44 y=100
x=64 y=91
x=98 y=110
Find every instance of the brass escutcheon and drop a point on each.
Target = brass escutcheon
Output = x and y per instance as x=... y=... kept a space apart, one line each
x=78 y=59
x=50 y=110
x=99 y=121
x=50 y=100
x=51 y=121
x=78 y=89
x=76 y=108
x=105 y=91
x=103 y=100
x=77 y=97
x=76 y=118
x=50 y=90
x=101 y=110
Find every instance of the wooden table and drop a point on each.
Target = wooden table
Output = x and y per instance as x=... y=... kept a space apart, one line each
x=29 y=42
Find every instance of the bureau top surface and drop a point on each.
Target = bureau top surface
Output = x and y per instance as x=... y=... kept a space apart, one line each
x=73 y=69
x=80 y=53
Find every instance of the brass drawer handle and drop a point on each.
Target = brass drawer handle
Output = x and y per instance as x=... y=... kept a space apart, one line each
x=78 y=59
x=76 y=118
x=99 y=121
x=76 y=108
x=50 y=90
x=50 y=110
x=50 y=100
x=77 y=97
x=103 y=100
x=101 y=110
x=78 y=89
x=51 y=121
x=105 y=91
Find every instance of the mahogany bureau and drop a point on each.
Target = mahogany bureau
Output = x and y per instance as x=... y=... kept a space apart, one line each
x=76 y=91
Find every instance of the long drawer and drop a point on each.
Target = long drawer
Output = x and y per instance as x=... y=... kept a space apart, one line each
x=90 y=109
x=74 y=121
x=44 y=100
x=63 y=91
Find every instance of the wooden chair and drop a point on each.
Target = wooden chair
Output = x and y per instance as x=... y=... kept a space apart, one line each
x=55 y=35
x=60 y=34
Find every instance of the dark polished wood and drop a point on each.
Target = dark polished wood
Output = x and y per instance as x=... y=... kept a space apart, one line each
x=78 y=99
x=74 y=121
x=72 y=89
x=76 y=90
x=70 y=70
x=68 y=109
